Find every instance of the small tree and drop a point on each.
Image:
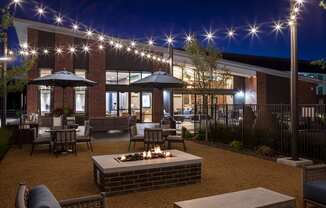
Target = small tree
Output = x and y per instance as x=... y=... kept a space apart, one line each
x=207 y=73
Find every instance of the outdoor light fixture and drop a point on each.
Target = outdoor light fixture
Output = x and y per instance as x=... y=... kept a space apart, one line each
x=72 y=50
x=86 y=48
x=17 y=2
x=33 y=52
x=24 y=45
x=75 y=27
x=151 y=42
x=209 y=36
x=89 y=33
x=101 y=38
x=58 y=19
x=40 y=11
x=253 y=30
x=278 y=27
x=231 y=33
x=58 y=51
x=189 y=38
x=170 y=40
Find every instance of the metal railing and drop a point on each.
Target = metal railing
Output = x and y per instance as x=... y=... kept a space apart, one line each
x=256 y=125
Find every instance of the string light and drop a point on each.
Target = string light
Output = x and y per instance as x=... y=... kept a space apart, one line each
x=58 y=51
x=40 y=11
x=253 y=30
x=46 y=51
x=75 y=27
x=133 y=43
x=111 y=42
x=231 y=33
x=136 y=52
x=33 y=52
x=151 y=42
x=86 y=48
x=101 y=38
x=17 y=2
x=89 y=33
x=58 y=19
x=128 y=49
x=11 y=53
x=278 y=27
x=72 y=50
x=24 y=45
x=142 y=54
x=169 y=40
x=300 y=2
x=189 y=38
x=101 y=47
x=209 y=36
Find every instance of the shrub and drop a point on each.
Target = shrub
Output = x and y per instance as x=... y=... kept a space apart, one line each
x=201 y=135
x=265 y=151
x=236 y=145
x=188 y=134
x=4 y=141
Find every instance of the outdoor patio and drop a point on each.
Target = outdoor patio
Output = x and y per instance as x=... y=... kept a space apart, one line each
x=71 y=176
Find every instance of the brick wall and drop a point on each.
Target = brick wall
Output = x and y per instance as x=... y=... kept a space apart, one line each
x=63 y=62
x=96 y=72
x=32 y=90
x=276 y=90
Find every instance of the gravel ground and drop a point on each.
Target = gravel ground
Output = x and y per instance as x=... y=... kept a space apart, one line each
x=71 y=176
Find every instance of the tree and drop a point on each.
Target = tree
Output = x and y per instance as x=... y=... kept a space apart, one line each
x=15 y=79
x=207 y=73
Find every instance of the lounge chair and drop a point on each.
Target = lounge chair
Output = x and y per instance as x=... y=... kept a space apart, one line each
x=314 y=185
x=153 y=137
x=177 y=139
x=40 y=197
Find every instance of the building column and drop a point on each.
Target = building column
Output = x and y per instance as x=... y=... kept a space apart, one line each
x=96 y=72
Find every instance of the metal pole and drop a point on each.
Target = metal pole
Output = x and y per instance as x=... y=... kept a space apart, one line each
x=294 y=78
x=4 y=77
x=171 y=58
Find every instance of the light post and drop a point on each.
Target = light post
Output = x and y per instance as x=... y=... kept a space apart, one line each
x=294 y=78
x=4 y=76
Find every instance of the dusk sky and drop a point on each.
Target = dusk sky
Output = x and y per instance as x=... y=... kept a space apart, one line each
x=140 y=19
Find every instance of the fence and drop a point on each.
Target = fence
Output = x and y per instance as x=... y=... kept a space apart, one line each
x=270 y=125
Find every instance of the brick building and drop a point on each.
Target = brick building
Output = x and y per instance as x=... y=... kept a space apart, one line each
x=114 y=70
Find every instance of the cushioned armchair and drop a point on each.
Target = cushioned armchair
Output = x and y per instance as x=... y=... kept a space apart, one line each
x=314 y=185
x=41 y=197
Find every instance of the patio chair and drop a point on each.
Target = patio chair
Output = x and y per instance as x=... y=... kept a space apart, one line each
x=37 y=141
x=57 y=122
x=64 y=139
x=71 y=122
x=153 y=137
x=313 y=186
x=40 y=196
x=134 y=137
x=87 y=137
x=177 y=139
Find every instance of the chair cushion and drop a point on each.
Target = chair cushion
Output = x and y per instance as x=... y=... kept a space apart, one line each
x=137 y=138
x=174 y=138
x=315 y=191
x=41 y=197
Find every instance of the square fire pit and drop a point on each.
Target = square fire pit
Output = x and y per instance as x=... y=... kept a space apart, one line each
x=114 y=176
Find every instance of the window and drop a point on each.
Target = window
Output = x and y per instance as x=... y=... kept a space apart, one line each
x=45 y=93
x=134 y=77
x=147 y=106
x=320 y=91
x=177 y=104
x=135 y=105
x=111 y=77
x=123 y=104
x=111 y=104
x=123 y=78
x=80 y=93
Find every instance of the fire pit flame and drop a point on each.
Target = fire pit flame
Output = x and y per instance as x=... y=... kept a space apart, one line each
x=155 y=153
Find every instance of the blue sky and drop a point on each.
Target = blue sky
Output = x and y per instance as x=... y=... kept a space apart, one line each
x=141 y=19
